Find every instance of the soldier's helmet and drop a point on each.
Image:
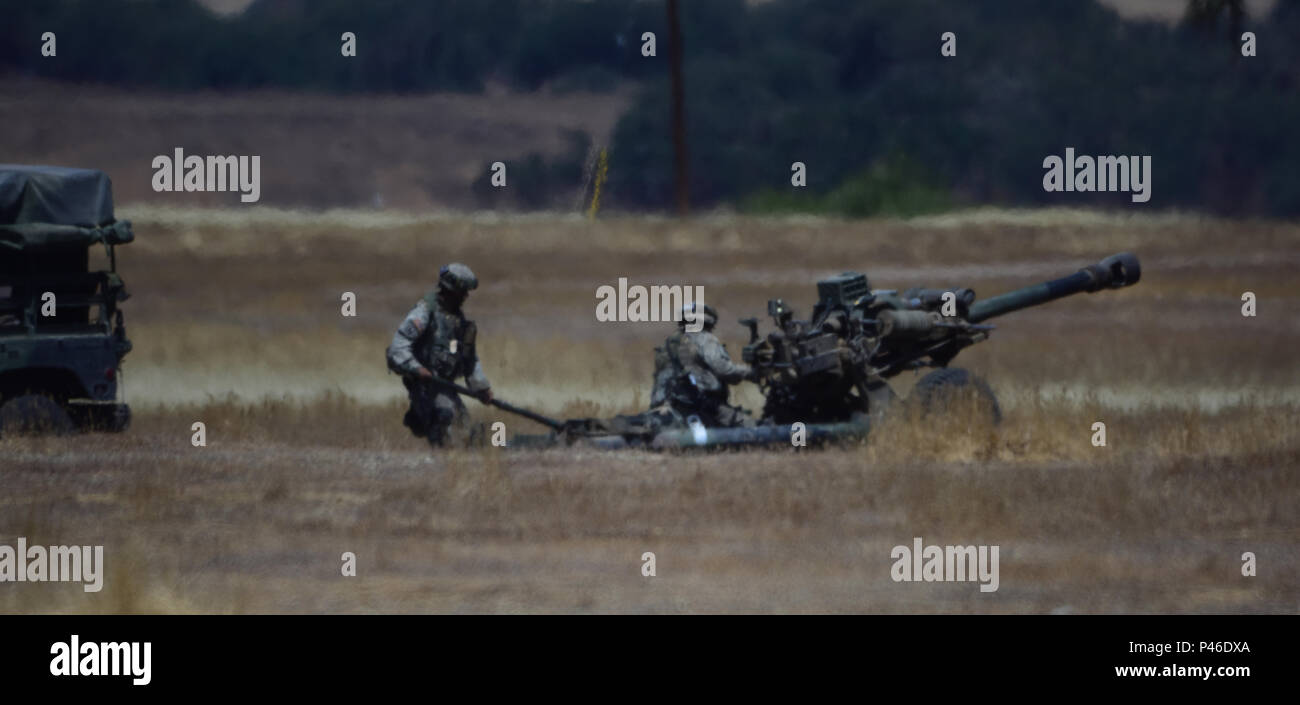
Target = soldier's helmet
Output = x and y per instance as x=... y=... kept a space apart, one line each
x=689 y=312
x=457 y=278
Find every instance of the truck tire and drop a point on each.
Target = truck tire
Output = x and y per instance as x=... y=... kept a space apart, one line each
x=119 y=420
x=943 y=386
x=36 y=415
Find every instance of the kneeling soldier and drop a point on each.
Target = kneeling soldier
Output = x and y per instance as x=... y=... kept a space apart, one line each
x=693 y=372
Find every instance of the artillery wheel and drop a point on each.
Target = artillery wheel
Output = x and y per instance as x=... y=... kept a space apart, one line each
x=942 y=387
x=34 y=414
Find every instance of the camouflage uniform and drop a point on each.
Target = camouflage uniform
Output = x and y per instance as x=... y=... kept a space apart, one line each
x=692 y=373
x=437 y=337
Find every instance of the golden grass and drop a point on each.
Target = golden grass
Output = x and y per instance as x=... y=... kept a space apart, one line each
x=238 y=326
x=1154 y=522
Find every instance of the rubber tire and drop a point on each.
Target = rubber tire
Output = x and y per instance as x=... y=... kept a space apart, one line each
x=935 y=386
x=35 y=414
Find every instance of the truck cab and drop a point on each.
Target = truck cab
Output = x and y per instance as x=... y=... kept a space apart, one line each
x=62 y=338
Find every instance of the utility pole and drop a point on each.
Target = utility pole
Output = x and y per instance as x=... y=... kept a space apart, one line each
x=679 y=110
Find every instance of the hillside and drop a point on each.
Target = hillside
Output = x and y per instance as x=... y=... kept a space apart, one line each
x=414 y=152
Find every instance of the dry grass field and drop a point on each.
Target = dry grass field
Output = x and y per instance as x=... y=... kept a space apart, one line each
x=236 y=322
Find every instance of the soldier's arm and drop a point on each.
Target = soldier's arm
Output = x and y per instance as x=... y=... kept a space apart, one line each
x=721 y=365
x=476 y=380
x=659 y=391
x=401 y=353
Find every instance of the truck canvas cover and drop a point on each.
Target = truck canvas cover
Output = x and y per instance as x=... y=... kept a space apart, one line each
x=45 y=207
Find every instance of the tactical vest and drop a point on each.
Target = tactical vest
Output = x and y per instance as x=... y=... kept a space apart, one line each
x=447 y=345
x=689 y=383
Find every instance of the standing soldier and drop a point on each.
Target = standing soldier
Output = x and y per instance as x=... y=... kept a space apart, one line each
x=436 y=344
x=693 y=371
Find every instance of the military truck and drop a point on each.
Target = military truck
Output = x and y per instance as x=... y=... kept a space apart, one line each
x=61 y=334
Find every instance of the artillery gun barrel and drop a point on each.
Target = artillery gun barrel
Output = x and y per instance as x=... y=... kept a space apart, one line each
x=1114 y=272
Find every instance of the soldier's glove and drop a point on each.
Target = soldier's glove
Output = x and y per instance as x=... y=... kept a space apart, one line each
x=485 y=396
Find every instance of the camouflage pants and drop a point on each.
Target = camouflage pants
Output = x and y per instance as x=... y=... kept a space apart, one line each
x=728 y=416
x=436 y=415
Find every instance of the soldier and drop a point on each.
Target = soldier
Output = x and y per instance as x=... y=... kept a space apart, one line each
x=436 y=343
x=693 y=371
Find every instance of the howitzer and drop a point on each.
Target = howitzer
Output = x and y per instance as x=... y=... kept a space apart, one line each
x=833 y=366
x=829 y=372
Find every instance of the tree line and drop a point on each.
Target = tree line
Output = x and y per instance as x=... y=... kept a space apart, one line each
x=856 y=90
